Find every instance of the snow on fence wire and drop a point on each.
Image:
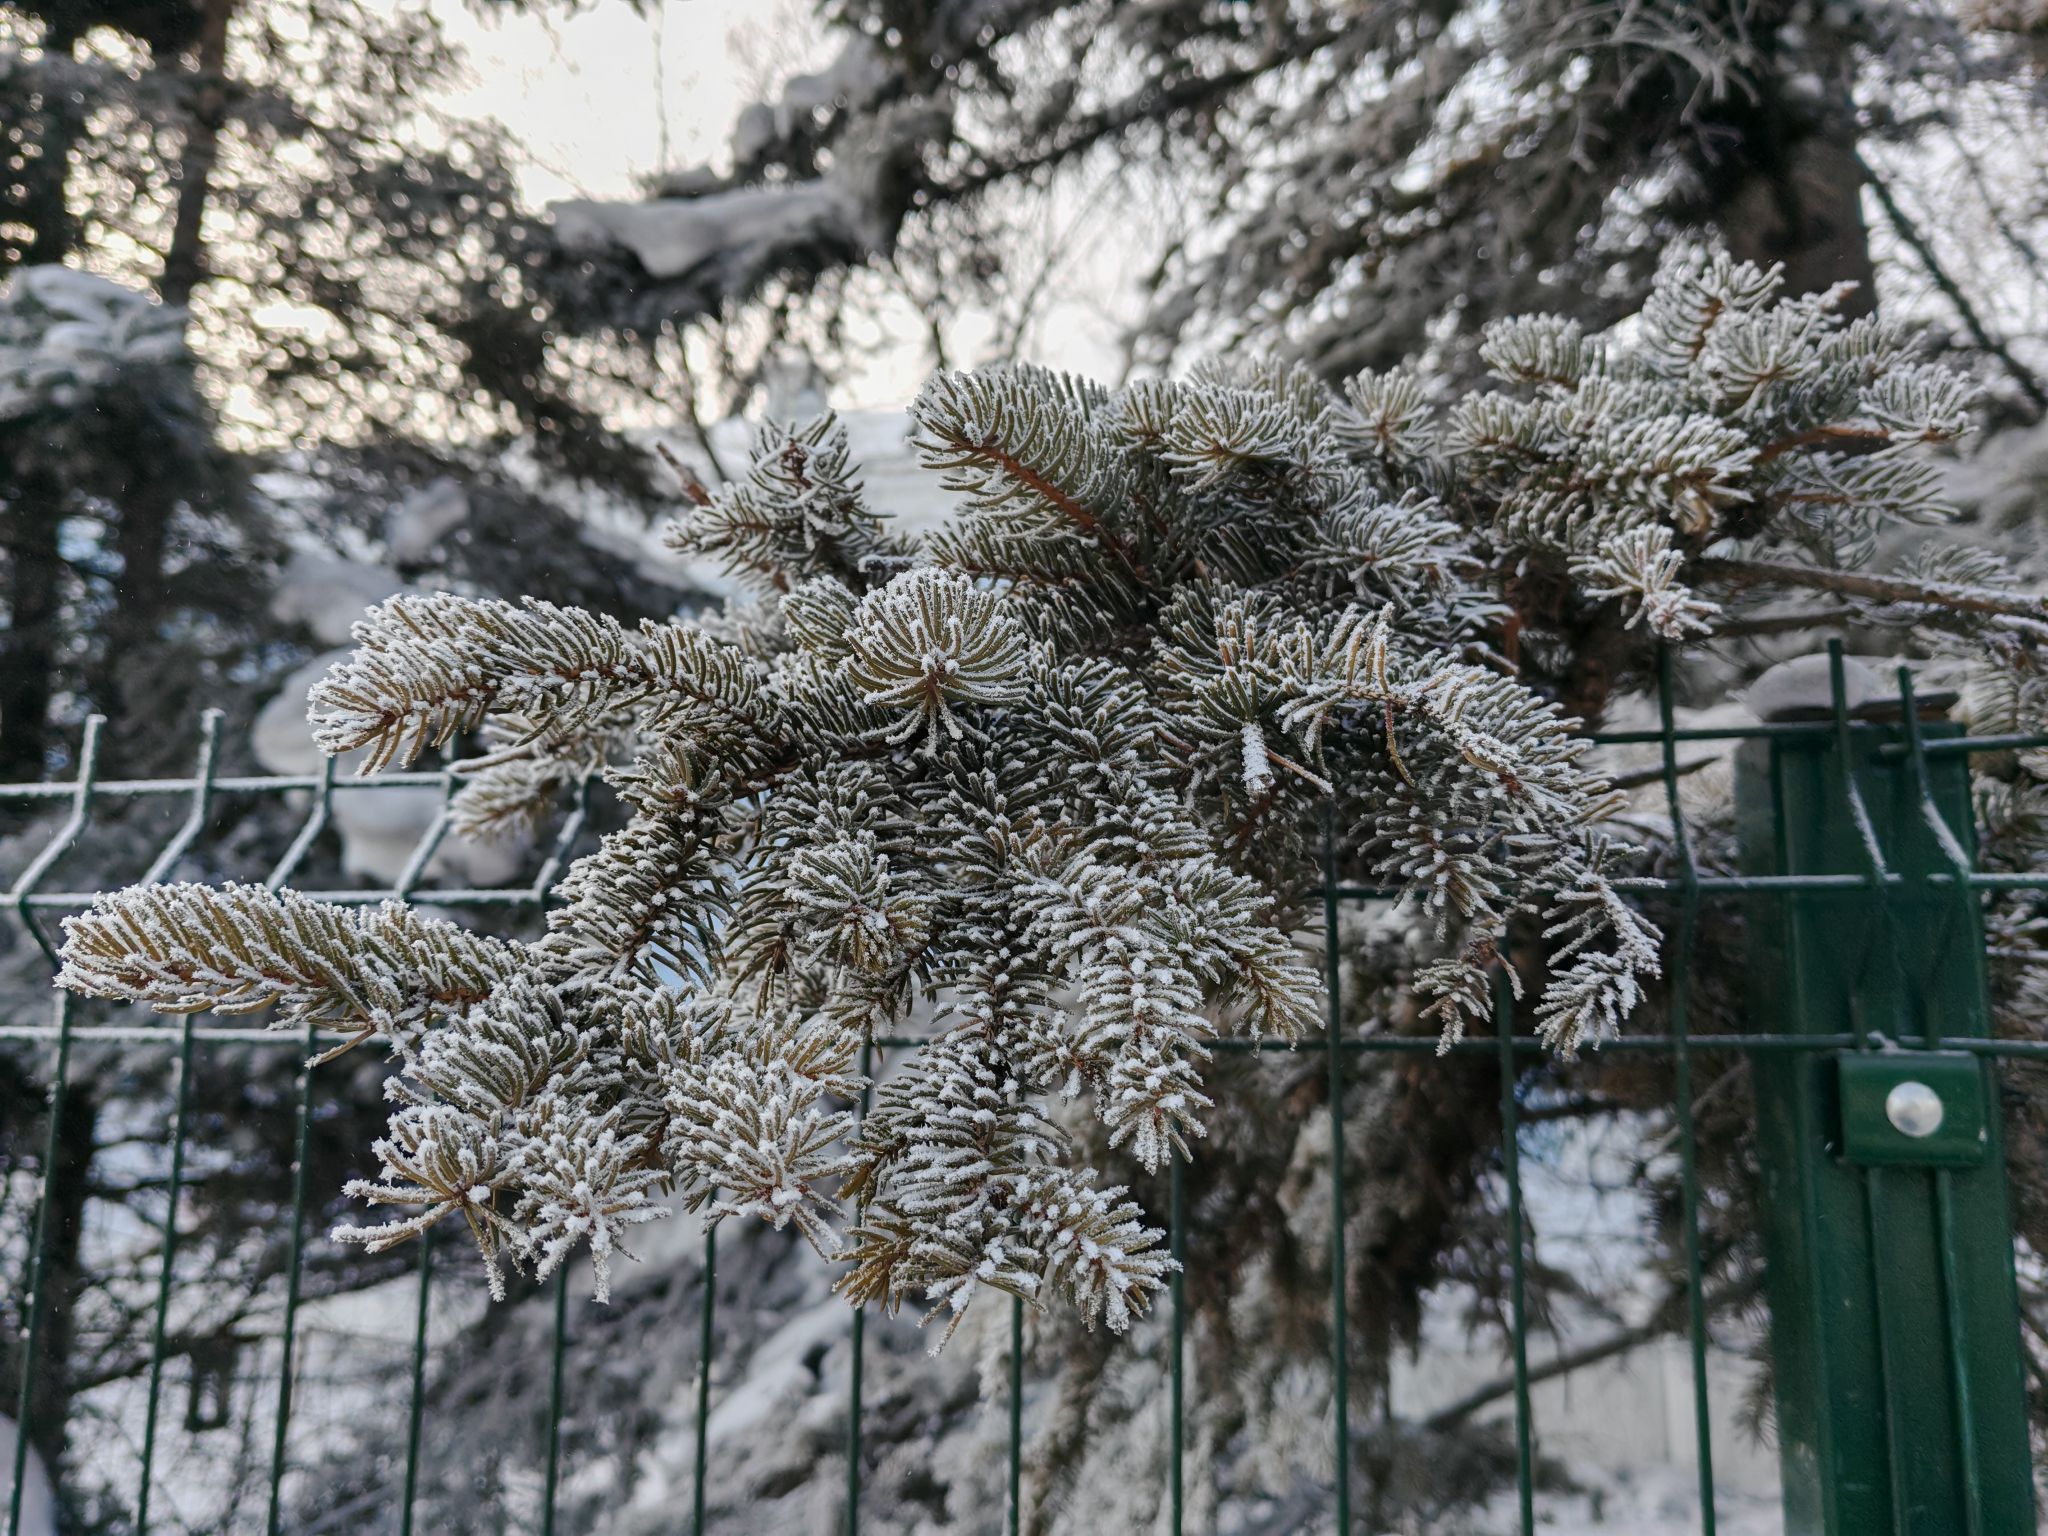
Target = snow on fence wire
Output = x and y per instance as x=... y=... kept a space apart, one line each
x=1844 y=739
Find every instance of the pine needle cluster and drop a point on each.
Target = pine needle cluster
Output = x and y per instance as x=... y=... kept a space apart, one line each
x=1045 y=788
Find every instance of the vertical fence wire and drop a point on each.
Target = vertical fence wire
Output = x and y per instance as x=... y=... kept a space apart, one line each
x=1177 y=1227
x=557 y=1347
x=1518 y=1316
x=181 y=1099
x=415 y=1410
x=1016 y=1490
x=31 y=1341
x=704 y=1378
x=860 y=1323
x=294 y=1263
x=195 y=822
x=1340 y=1344
x=1681 y=1092
x=60 y=1076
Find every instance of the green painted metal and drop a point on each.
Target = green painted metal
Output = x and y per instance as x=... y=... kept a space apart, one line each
x=60 y=1079
x=294 y=1265
x=1340 y=1343
x=1894 y=1328
x=557 y=1347
x=288 y=1338
x=1016 y=1500
x=860 y=1327
x=195 y=823
x=1865 y=1084
x=39 y=1243
x=1177 y=1228
x=416 y=1409
x=704 y=1341
x=1682 y=1096
x=1518 y=1277
x=167 y=1268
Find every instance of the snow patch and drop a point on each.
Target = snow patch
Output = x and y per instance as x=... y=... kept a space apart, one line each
x=419 y=523
x=327 y=595
x=741 y=229
x=66 y=336
x=378 y=829
x=38 y=1504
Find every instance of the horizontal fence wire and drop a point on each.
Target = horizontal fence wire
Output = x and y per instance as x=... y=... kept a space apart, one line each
x=1683 y=894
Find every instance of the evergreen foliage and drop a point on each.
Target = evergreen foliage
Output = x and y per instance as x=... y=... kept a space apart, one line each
x=1733 y=412
x=1049 y=784
x=1357 y=184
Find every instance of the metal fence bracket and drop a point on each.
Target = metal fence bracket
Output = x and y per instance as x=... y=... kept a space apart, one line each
x=1913 y=1109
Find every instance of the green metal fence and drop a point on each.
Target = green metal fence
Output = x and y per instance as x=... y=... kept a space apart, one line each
x=1895 y=1344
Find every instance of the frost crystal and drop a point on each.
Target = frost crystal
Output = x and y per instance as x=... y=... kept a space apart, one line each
x=1049 y=784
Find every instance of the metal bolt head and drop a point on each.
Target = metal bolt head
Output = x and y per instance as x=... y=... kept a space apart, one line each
x=1914 y=1109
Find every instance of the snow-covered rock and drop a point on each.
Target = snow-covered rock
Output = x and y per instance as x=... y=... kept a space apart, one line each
x=856 y=79
x=1802 y=688
x=743 y=227
x=65 y=335
x=379 y=828
x=419 y=523
x=328 y=594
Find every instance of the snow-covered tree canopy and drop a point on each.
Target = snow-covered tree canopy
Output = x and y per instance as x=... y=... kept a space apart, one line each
x=92 y=376
x=1361 y=178
x=1049 y=784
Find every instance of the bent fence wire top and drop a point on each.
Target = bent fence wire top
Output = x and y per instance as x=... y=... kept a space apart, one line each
x=1843 y=749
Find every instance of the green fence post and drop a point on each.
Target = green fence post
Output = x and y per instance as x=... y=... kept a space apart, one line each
x=1894 y=1311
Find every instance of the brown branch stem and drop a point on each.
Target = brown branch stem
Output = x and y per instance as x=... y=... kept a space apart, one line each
x=1883 y=589
x=1667 y=1317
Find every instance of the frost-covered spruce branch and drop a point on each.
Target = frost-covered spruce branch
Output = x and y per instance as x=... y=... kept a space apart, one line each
x=1047 y=783
x=1723 y=415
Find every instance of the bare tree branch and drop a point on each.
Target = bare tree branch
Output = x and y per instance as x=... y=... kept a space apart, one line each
x=1909 y=232
x=1883 y=589
x=1667 y=1317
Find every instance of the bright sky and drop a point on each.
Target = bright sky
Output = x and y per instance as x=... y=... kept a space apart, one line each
x=588 y=94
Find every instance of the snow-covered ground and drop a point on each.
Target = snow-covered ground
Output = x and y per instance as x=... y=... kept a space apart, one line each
x=1614 y=1443
x=38 y=1508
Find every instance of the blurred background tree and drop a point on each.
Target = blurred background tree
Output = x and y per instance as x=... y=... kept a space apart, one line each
x=1355 y=183
x=350 y=264
x=257 y=290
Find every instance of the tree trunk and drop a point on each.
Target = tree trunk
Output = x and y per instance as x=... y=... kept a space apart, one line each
x=143 y=539
x=29 y=648
x=69 y=1179
x=1805 y=208
x=1795 y=190
x=44 y=204
x=185 y=261
x=129 y=673
x=30 y=642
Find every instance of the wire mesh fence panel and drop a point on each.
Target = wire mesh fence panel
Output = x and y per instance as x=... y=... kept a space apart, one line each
x=195 y=1354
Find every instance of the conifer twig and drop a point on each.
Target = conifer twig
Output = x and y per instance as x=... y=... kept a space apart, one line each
x=1883 y=589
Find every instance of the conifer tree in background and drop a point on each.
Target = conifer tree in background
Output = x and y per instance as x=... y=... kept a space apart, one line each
x=352 y=275
x=1056 y=774
x=255 y=289
x=1352 y=184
